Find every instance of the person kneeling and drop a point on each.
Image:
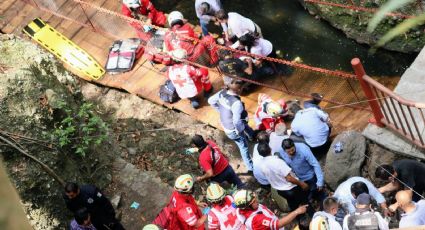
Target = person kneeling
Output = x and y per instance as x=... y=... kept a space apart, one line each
x=188 y=80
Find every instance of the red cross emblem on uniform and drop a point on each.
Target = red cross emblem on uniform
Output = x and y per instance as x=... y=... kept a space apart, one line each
x=179 y=81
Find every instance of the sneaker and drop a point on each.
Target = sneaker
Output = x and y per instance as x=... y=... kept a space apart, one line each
x=195 y=104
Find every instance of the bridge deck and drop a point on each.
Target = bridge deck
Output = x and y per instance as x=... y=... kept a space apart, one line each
x=145 y=79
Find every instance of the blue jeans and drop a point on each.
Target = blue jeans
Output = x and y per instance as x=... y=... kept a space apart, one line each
x=204 y=26
x=230 y=176
x=242 y=143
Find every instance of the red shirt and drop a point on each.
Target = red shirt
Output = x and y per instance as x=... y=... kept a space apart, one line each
x=146 y=8
x=185 y=212
x=206 y=161
x=179 y=37
x=260 y=219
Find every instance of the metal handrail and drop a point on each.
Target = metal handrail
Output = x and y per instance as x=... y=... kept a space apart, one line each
x=390 y=93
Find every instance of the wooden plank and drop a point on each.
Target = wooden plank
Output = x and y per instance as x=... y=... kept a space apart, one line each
x=12 y=12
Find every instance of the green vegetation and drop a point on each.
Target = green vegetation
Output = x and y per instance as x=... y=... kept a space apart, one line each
x=80 y=130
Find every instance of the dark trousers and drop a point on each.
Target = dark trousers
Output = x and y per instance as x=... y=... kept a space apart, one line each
x=321 y=150
x=105 y=223
x=295 y=197
x=314 y=194
x=230 y=176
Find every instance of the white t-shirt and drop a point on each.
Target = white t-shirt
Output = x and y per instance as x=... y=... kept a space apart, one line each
x=275 y=170
x=257 y=161
x=276 y=142
x=238 y=25
x=415 y=218
x=215 y=5
x=262 y=47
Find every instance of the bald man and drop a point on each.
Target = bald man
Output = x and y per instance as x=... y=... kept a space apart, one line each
x=414 y=213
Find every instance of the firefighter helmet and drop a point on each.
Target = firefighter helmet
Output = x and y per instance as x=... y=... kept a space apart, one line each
x=184 y=183
x=215 y=193
x=243 y=198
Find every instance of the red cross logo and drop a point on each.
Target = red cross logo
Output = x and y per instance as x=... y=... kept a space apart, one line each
x=179 y=81
x=231 y=220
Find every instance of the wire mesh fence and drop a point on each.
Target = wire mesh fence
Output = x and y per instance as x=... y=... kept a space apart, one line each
x=337 y=87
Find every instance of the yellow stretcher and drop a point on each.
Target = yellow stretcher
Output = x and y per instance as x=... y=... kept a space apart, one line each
x=64 y=48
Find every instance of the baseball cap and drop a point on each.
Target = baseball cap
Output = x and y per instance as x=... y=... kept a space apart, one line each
x=363 y=199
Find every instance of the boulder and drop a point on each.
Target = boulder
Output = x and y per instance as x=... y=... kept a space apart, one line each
x=346 y=163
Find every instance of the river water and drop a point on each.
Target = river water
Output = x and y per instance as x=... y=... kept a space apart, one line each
x=296 y=33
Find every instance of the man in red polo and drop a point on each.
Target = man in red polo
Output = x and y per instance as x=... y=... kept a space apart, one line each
x=214 y=163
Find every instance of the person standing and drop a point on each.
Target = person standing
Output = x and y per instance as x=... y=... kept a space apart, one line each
x=205 y=11
x=235 y=25
x=403 y=174
x=185 y=213
x=189 y=81
x=300 y=158
x=100 y=208
x=414 y=212
x=214 y=163
x=364 y=217
x=257 y=161
x=222 y=214
x=233 y=117
x=314 y=125
x=282 y=178
x=257 y=216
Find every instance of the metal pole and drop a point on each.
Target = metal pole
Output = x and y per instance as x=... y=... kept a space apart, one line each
x=376 y=110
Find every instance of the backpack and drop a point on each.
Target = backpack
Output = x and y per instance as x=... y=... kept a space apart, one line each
x=168 y=93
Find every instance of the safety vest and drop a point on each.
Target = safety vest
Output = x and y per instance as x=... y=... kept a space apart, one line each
x=182 y=81
x=365 y=221
x=226 y=102
x=226 y=216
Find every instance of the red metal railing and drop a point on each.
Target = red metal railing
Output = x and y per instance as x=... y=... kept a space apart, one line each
x=391 y=110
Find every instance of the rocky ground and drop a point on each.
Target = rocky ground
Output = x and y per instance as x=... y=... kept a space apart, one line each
x=144 y=151
x=354 y=23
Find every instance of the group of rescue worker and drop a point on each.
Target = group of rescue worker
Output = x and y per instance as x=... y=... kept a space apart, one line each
x=282 y=159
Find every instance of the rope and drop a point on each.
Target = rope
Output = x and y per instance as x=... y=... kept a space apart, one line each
x=277 y=60
x=357 y=8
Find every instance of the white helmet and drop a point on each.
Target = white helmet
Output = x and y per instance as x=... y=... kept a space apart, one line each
x=174 y=16
x=184 y=183
x=215 y=193
x=132 y=3
x=243 y=198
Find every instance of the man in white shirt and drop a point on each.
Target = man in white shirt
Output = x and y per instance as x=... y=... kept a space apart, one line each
x=277 y=137
x=347 y=192
x=257 y=161
x=330 y=208
x=414 y=213
x=281 y=178
x=235 y=25
x=364 y=217
x=205 y=11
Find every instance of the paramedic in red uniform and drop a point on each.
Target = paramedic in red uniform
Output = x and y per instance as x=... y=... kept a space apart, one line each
x=185 y=213
x=214 y=163
x=222 y=215
x=257 y=216
x=181 y=36
x=134 y=8
x=188 y=80
x=269 y=113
